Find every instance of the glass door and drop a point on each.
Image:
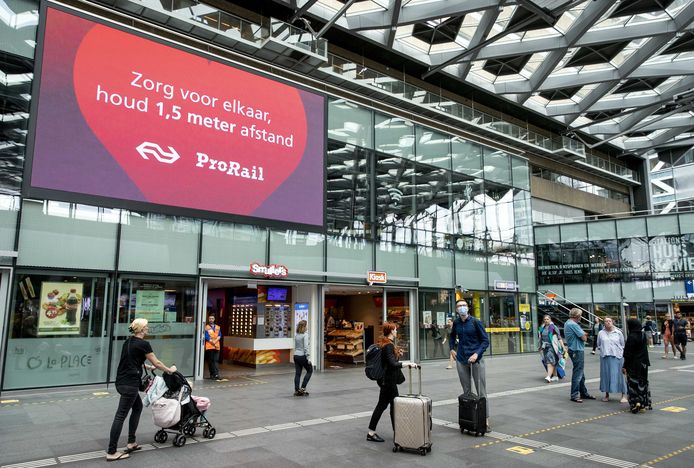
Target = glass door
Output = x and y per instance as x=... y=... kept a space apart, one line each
x=398 y=311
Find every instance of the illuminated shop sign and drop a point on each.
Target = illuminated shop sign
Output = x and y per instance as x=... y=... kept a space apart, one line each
x=269 y=271
x=377 y=277
x=505 y=285
x=146 y=125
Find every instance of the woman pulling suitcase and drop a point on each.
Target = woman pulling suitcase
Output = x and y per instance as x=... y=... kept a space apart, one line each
x=391 y=379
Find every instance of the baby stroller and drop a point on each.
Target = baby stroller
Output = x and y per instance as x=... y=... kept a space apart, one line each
x=192 y=413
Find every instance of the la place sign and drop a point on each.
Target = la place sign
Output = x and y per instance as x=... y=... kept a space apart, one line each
x=376 y=277
x=269 y=271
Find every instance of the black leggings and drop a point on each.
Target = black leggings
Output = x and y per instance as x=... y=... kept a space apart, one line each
x=300 y=363
x=385 y=398
x=129 y=399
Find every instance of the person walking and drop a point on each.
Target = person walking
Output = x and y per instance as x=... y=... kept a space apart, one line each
x=668 y=339
x=575 y=339
x=650 y=328
x=436 y=338
x=301 y=359
x=213 y=336
x=635 y=367
x=472 y=343
x=393 y=376
x=594 y=330
x=449 y=327
x=679 y=333
x=133 y=354
x=611 y=344
x=551 y=348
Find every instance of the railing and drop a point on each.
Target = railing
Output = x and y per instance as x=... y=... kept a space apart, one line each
x=621 y=214
x=364 y=75
x=298 y=37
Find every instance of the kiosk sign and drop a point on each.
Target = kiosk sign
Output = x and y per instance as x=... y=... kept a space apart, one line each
x=376 y=277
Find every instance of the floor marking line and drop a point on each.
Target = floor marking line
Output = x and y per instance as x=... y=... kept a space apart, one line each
x=669 y=455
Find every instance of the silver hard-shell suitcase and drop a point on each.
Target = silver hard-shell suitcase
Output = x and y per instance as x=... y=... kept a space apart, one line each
x=412 y=414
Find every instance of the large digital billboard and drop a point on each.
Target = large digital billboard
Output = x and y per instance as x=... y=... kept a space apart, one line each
x=134 y=122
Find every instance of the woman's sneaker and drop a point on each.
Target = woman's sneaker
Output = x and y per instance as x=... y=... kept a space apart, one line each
x=304 y=392
x=298 y=393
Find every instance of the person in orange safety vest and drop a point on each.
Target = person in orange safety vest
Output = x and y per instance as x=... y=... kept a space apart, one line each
x=213 y=335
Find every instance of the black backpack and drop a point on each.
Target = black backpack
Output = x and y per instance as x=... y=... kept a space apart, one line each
x=374 y=363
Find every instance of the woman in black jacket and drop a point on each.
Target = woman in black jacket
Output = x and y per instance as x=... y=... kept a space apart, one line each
x=635 y=367
x=392 y=377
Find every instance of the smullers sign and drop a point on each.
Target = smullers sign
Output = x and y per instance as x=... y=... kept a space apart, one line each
x=140 y=123
x=269 y=271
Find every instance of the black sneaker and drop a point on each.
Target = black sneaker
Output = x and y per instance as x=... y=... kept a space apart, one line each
x=298 y=393
x=304 y=392
x=374 y=438
x=588 y=397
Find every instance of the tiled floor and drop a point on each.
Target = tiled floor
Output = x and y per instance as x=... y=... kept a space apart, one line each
x=260 y=424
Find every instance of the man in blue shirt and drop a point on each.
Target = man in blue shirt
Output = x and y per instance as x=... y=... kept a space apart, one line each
x=576 y=338
x=472 y=343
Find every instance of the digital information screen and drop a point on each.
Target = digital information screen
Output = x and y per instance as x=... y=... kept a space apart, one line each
x=147 y=125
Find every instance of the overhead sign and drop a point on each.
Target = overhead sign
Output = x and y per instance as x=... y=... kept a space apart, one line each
x=377 y=277
x=269 y=271
x=689 y=288
x=505 y=285
x=133 y=122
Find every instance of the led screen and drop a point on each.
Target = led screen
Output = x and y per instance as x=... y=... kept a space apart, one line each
x=144 y=124
x=277 y=294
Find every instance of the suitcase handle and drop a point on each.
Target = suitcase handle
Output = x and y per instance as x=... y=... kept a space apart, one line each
x=419 y=368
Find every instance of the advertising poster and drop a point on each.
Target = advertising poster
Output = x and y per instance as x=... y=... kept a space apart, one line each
x=300 y=312
x=426 y=317
x=61 y=308
x=441 y=318
x=153 y=124
x=149 y=305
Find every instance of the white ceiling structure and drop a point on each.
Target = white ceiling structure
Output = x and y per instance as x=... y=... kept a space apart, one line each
x=619 y=71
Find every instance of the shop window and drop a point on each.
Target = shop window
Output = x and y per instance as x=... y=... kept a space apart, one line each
x=169 y=306
x=527 y=307
x=398 y=312
x=434 y=327
x=57 y=331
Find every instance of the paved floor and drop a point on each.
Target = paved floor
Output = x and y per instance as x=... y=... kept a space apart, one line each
x=260 y=424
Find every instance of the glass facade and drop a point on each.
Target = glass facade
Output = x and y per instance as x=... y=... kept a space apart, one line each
x=433 y=210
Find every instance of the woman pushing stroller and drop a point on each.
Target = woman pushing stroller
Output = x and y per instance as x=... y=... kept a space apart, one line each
x=133 y=355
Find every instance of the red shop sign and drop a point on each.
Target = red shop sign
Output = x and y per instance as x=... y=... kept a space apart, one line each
x=269 y=271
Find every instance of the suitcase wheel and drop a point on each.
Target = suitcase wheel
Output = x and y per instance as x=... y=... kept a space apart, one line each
x=422 y=451
x=396 y=448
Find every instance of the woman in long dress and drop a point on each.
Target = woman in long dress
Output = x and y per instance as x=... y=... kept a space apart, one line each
x=636 y=363
x=551 y=348
x=611 y=344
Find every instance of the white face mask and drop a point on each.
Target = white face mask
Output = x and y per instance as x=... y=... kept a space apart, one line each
x=462 y=311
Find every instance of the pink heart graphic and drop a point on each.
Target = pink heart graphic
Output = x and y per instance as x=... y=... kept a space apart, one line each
x=106 y=64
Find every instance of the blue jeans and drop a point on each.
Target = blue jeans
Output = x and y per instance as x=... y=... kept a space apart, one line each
x=578 y=379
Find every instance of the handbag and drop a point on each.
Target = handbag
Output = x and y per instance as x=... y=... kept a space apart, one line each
x=145 y=378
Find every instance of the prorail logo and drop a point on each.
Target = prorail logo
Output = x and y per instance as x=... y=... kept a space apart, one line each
x=269 y=271
x=230 y=168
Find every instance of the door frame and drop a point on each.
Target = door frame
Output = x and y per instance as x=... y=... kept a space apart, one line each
x=6 y=275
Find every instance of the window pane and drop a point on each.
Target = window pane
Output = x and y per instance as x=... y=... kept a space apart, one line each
x=573 y=232
x=662 y=225
x=395 y=136
x=634 y=260
x=631 y=227
x=297 y=250
x=521 y=176
x=503 y=313
x=396 y=259
x=433 y=222
x=468 y=206
x=348 y=207
x=349 y=255
x=470 y=265
x=233 y=244
x=432 y=147
x=159 y=243
x=467 y=157
x=435 y=267
x=602 y=230
x=9 y=209
x=395 y=199
x=170 y=310
x=547 y=235
x=522 y=215
x=66 y=235
x=57 y=322
x=497 y=166
x=350 y=123
x=687 y=223
x=526 y=269
x=435 y=311
x=499 y=212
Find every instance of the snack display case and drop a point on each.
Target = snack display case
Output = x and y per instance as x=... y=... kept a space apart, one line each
x=346 y=345
x=242 y=320
x=278 y=320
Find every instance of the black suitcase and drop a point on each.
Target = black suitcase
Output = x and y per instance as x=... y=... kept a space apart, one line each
x=656 y=338
x=472 y=414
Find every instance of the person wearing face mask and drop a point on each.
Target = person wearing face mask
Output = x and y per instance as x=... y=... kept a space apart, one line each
x=472 y=343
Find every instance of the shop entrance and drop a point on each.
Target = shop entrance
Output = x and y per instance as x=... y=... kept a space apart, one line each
x=257 y=321
x=353 y=320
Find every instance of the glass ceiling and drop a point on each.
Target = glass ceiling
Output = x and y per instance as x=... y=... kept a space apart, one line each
x=619 y=71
